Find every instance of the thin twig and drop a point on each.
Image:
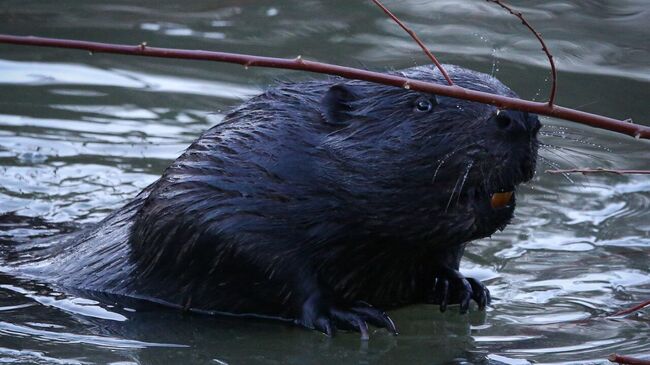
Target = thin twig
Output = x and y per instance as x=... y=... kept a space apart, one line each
x=597 y=121
x=631 y=310
x=551 y=99
x=627 y=360
x=600 y=170
x=417 y=40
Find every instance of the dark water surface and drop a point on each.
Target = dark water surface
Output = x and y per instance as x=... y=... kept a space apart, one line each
x=81 y=134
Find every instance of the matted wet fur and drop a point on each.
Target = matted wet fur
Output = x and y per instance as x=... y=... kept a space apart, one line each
x=318 y=202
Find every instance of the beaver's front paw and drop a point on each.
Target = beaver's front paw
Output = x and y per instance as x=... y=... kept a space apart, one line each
x=452 y=287
x=322 y=315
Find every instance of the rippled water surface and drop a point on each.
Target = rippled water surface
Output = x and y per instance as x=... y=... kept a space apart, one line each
x=81 y=134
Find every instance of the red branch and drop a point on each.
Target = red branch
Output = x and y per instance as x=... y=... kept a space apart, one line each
x=416 y=39
x=600 y=170
x=627 y=360
x=631 y=310
x=594 y=120
x=519 y=15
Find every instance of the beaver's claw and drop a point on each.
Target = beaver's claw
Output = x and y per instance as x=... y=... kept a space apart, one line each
x=452 y=287
x=318 y=314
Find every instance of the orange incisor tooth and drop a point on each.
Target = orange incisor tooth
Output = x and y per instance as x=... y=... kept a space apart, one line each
x=499 y=200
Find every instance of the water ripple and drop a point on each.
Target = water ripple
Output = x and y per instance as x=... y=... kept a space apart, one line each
x=75 y=338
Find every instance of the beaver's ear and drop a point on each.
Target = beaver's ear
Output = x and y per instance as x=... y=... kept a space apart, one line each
x=336 y=105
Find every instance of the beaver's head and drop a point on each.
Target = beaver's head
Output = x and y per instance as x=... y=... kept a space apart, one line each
x=427 y=166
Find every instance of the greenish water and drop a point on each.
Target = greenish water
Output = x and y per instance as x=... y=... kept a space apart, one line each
x=80 y=134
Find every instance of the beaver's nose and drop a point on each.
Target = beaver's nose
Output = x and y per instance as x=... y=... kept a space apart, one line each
x=516 y=122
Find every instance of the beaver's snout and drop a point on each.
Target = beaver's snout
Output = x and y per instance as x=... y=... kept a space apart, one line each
x=512 y=138
x=515 y=123
x=517 y=130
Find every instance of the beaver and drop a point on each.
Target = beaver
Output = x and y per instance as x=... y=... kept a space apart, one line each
x=323 y=202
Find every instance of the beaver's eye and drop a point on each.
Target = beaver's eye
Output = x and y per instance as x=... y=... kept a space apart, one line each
x=423 y=105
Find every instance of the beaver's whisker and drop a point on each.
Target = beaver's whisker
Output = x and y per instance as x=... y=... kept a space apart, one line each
x=557 y=167
x=462 y=177
x=566 y=134
x=561 y=136
x=558 y=155
x=549 y=162
x=547 y=147
x=462 y=184
x=442 y=161
x=446 y=157
x=453 y=191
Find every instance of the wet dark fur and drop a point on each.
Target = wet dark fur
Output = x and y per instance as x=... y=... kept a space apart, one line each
x=332 y=188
